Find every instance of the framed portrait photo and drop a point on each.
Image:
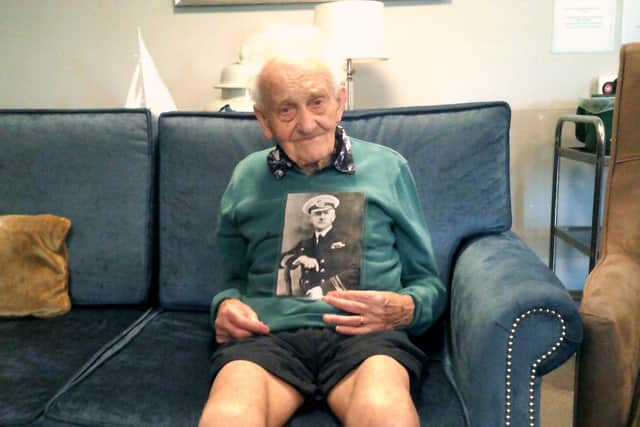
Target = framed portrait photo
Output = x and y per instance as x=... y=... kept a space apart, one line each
x=321 y=244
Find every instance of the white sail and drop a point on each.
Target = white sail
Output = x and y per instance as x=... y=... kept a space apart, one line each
x=147 y=88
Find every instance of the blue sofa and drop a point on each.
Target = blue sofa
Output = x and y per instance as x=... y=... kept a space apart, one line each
x=143 y=265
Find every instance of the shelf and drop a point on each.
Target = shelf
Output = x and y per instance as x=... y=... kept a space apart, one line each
x=577 y=236
x=581 y=154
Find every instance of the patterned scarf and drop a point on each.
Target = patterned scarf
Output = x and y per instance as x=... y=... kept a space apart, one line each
x=279 y=163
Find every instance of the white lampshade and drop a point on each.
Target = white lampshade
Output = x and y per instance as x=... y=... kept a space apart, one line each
x=234 y=76
x=355 y=26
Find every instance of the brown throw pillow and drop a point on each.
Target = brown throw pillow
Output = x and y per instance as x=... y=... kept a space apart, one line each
x=34 y=275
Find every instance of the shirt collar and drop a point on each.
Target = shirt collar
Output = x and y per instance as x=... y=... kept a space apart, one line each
x=323 y=233
x=279 y=163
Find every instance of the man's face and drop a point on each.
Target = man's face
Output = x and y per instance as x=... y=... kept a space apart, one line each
x=300 y=111
x=322 y=219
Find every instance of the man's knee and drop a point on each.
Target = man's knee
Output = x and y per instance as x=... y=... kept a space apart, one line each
x=237 y=397
x=245 y=394
x=231 y=414
x=383 y=403
x=381 y=396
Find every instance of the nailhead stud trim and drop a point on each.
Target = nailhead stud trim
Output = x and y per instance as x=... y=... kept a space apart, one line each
x=534 y=366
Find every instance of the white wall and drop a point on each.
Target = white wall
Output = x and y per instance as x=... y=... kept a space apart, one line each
x=81 y=54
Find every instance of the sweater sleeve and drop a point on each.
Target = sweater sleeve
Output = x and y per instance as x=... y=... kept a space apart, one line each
x=233 y=248
x=419 y=278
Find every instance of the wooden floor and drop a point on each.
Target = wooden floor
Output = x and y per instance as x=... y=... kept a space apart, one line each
x=557 y=396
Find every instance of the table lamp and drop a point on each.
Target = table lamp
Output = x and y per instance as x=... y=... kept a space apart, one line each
x=356 y=29
x=234 y=86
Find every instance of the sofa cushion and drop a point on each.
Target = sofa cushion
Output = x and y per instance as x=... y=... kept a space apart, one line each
x=33 y=265
x=95 y=168
x=459 y=157
x=197 y=153
x=166 y=366
x=170 y=359
x=37 y=357
x=468 y=143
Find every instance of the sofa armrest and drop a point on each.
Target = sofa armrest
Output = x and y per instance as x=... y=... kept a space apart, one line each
x=511 y=322
x=608 y=386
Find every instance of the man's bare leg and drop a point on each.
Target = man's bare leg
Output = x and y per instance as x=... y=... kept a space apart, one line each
x=244 y=394
x=376 y=393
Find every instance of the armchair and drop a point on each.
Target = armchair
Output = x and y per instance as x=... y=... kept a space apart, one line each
x=608 y=383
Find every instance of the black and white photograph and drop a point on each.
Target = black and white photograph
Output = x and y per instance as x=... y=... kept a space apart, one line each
x=321 y=244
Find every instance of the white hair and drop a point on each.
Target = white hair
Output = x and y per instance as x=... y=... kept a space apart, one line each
x=290 y=44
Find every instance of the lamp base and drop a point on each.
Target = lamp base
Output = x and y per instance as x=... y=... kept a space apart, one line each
x=349 y=105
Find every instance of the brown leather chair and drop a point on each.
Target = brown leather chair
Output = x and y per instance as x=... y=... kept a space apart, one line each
x=608 y=382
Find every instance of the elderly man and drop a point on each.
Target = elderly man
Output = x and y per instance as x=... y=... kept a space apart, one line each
x=352 y=347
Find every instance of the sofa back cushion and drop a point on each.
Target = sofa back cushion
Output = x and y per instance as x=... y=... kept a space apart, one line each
x=458 y=154
x=95 y=168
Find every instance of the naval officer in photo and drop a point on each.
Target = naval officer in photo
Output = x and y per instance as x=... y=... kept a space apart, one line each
x=327 y=259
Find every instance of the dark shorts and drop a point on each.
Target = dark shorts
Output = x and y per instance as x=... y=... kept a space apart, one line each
x=315 y=360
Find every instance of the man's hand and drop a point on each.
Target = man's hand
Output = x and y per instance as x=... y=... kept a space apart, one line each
x=372 y=311
x=236 y=320
x=307 y=262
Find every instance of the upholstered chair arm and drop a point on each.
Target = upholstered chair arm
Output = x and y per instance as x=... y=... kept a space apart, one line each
x=609 y=367
x=511 y=322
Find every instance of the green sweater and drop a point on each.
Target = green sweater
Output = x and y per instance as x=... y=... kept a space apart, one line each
x=396 y=246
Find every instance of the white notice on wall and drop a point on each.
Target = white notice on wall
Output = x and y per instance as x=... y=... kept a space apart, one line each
x=631 y=21
x=583 y=25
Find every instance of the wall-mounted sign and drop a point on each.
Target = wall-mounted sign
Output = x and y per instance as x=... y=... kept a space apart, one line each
x=631 y=21
x=583 y=26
